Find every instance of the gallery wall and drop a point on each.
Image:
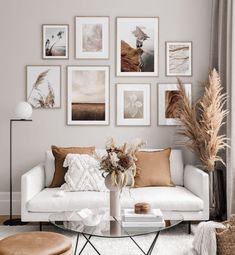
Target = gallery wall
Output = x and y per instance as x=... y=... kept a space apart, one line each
x=21 y=45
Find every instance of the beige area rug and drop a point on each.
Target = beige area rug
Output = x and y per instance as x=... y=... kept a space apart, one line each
x=175 y=241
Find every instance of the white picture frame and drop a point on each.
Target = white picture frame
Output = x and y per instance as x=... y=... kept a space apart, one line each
x=91 y=37
x=88 y=95
x=133 y=104
x=137 y=34
x=55 y=41
x=166 y=109
x=178 y=58
x=43 y=86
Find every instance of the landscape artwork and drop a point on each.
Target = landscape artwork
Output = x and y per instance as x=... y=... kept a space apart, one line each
x=133 y=104
x=92 y=37
x=178 y=58
x=88 y=92
x=168 y=99
x=43 y=86
x=137 y=46
x=55 y=41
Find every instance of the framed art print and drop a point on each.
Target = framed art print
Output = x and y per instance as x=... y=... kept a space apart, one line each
x=43 y=86
x=137 y=46
x=167 y=100
x=55 y=41
x=178 y=58
x=92 y=37
x=133 y=104
x=88 y=95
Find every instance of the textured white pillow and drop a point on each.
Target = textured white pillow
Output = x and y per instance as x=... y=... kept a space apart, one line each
x=83 y=174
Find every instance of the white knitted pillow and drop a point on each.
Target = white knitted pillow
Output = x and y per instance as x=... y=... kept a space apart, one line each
x=83 y=174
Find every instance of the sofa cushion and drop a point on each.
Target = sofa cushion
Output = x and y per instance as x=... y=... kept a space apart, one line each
x=59 y=154
x=166 y=198
x=50 y=164
x=176 y=164
x=153 y=168
x=83 y=174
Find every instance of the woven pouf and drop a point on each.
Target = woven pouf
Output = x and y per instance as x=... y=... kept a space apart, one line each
x=36 y=243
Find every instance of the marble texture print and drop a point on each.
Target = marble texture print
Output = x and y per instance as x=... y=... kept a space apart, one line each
x=179 y=59
x=92 y=37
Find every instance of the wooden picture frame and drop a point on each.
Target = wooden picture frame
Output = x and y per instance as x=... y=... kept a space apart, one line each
x=178 y=58
x=133 y=104
x=167 y=96
x=91 y=37
x=43 y=86
x=88 y=95
x=137 y=43
x=55 y=41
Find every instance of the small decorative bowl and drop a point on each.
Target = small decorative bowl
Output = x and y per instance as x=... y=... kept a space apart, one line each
x=89 y=217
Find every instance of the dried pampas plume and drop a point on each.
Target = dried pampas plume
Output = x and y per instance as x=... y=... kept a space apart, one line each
x=201 y=122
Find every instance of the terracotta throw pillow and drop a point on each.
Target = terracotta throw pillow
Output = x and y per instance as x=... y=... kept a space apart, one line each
x=153 y=168
x=60 y=155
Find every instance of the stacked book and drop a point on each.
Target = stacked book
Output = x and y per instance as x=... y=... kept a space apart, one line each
x=152 y=219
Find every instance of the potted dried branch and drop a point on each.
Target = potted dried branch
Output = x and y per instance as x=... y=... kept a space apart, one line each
x=202 y=122
x=119 y=169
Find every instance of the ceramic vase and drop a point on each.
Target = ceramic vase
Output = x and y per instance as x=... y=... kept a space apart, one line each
x=114 y=198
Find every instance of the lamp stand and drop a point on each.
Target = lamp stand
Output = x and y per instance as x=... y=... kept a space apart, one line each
x=11 y=221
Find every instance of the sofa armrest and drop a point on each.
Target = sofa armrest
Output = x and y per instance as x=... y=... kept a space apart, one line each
x=197 y=181
x=32 y=183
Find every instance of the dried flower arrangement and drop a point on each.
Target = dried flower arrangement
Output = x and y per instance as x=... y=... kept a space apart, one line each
x=202 y=121
x=120 y=162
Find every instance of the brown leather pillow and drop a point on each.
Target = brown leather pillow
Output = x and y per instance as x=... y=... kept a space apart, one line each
x=153 y=168
x=60 y=155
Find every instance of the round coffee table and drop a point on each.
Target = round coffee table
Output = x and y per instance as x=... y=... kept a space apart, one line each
x=109 y=227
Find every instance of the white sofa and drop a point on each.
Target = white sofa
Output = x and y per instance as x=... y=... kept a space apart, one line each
x=190 y=196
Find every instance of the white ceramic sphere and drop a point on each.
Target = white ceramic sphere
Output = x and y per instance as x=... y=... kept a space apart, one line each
x=23 y=110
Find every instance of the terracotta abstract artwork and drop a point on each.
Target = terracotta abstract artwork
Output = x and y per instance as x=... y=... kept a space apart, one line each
x=168 y=101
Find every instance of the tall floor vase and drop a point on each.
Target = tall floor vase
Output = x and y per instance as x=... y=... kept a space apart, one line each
x=217 y=195
x=114 y=198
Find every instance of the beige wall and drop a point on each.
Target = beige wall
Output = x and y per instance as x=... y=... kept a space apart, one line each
x=20 y=28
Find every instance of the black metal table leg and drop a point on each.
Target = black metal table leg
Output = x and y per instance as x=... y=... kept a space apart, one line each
x=137 y=245
x=76 y=246
x=84 y=245
x=153 y=244
x=88 y=240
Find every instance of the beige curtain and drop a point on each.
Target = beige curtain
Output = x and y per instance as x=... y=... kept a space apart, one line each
x=223 y=59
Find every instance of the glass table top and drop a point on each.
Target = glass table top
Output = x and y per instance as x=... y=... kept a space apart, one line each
x=108 y=227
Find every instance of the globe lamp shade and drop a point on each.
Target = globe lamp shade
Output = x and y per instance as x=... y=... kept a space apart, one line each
x=23 y=110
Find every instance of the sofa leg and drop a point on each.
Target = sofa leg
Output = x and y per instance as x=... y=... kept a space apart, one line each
x=40 y=226
x=189 y=227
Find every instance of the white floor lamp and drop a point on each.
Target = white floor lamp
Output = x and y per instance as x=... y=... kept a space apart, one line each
x=23 y=112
